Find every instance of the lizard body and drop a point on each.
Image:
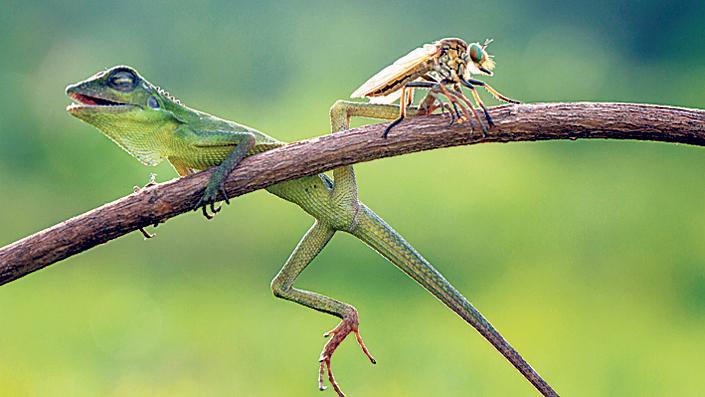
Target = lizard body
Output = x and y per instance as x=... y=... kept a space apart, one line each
x=153 y=126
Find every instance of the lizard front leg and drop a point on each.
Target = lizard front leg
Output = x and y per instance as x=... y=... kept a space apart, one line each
x=310 y=245
x=241 y=143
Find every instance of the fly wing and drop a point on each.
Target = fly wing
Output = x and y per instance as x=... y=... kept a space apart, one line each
x=387 y=99
x=393 y=96
x=394 y=71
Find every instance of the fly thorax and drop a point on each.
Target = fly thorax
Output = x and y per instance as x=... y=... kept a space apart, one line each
x=459 y=70
x=443 y=70
x=450 y=66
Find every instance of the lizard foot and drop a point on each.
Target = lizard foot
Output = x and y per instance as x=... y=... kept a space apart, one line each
x=152 y=182
x=209 y=198
x=350 y=323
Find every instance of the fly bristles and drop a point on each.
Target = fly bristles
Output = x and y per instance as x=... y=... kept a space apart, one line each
x=489 y=63
x=486 y=43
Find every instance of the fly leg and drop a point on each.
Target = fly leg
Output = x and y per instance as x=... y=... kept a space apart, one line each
x=402 y=112
x=431 y=102
x=478 y=101
x=465 y=106
x=424 y=84
x=492 y=91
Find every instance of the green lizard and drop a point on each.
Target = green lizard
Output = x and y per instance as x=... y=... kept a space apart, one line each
x=152 y=126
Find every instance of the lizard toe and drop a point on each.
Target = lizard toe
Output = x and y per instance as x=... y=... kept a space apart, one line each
x=349 y=324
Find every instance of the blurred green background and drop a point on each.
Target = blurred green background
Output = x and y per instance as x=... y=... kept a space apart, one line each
x=588 y=256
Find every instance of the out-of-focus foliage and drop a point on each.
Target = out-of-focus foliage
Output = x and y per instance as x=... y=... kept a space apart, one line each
x=589 y=256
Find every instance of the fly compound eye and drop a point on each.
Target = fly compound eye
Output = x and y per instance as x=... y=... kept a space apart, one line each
x=153 y=103
x=122 y=80
x=476 y=53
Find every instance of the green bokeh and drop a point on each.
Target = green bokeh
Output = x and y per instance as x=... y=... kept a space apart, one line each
x=588 y=256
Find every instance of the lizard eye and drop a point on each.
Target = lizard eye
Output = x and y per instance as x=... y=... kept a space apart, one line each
x=122 y=80
x=153 y=103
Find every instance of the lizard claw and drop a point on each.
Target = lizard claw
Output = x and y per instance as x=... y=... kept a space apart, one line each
x=210 y=197
x=147 y=235
x=203 y=206
x=152 y=181
x=205 y=212
x=350 y=323
x=224 y=194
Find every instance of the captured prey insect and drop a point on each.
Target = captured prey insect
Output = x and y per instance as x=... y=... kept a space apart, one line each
x=449 y=61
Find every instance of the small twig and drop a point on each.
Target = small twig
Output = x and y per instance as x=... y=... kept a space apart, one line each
x=532 y=122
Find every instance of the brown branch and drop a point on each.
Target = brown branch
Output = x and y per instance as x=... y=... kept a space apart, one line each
x=530 y=122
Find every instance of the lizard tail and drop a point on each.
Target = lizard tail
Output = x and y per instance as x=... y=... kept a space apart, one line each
x=372 y=230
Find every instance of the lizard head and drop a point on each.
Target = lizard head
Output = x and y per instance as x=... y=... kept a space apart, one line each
x=127 y=108
x=114 y=95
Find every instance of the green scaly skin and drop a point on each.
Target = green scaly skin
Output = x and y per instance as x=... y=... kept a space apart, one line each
x=152 y=126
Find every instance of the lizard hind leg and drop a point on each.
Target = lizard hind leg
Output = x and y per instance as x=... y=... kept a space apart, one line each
x=282 y=286
x=342 y=111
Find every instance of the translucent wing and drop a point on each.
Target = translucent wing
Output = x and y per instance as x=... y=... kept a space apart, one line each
x=387 y=99
x=399 y=68
x=393 y=96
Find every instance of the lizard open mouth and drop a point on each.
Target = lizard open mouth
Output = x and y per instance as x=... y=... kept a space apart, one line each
x=92 y=100
x=89 y=103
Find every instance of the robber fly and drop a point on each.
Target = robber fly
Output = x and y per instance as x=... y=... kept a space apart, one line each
x=446 y=62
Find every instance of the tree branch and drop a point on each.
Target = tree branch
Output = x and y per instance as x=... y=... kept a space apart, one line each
x=531 y=122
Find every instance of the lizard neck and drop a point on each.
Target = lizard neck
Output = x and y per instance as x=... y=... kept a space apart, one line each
x=143 y=139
